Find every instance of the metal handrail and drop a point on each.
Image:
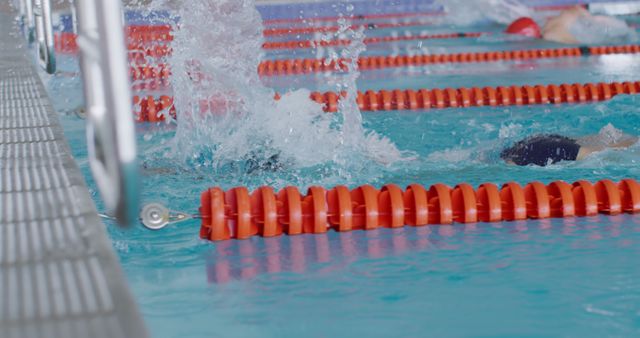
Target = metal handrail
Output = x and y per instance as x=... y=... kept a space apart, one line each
x=44 y=35
x=28 y=19
x=110 y=126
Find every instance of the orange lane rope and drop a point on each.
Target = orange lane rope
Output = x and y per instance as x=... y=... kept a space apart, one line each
x=355 y=17
x=157 y=32
x=296 y=44
x=306 y=66
x=140 y=35
x=239 y=214
x=66 y=42
x=333 y=29
x=154 y=110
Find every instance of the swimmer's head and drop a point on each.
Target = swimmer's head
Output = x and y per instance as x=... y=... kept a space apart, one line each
x=524 y=26
x=515 y=154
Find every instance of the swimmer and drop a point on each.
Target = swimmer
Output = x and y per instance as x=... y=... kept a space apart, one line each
x=545 y=149
x=574 y=26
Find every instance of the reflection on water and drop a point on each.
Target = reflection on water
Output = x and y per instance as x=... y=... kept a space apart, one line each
x=247 y=259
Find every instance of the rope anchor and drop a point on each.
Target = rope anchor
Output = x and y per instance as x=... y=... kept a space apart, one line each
x=155 y=216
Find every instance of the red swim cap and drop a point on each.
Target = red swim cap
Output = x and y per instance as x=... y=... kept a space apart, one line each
x=524 y=26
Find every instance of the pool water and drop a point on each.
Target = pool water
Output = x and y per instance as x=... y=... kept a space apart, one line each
x=574 y=277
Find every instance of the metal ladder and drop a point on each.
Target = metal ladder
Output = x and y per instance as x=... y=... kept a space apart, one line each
x=104 y=68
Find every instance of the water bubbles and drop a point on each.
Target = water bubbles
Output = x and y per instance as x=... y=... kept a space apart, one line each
x=227 y=116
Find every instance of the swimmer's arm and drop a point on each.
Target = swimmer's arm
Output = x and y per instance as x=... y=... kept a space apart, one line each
x=598 y=142
x=557 y=28
x=593 y=148
x=586 y=151
x=557 y=31
x=626 y=143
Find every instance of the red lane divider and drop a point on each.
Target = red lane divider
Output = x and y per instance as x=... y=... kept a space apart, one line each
x=154 y=110
x=332 y=29
x=161 y=71
x=296 y=44
x=140 y=36
x=385 y=100
x=354 y=17
x=146 y=33
x=151 y=109
x=305 y=66
x=65 y=43
x=163 y=32
x=238 y=214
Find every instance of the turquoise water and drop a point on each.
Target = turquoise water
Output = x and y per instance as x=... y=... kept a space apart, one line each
x=574 y=277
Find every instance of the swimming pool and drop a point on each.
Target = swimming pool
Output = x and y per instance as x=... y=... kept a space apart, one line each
x=554 y=277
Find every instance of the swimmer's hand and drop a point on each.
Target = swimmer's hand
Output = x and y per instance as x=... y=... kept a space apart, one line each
x=624 y=143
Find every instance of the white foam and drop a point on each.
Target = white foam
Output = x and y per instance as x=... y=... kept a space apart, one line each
x=225 y=39
x=465 y=12
x=597 y=29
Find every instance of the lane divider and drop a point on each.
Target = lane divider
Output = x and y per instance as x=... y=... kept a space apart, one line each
x=355 y=17
x=299 y=44
x=140 y=51
x=150 y=109
x=332 y=29
x=158 y=32
x=141 y=35
x=239 y=214
x=66 y=42
x=308 y=65
x=304 y=66
x=386 y=100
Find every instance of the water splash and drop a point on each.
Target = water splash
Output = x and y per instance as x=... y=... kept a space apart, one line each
x=465 y=12
x=598 y=29
x=225 y=114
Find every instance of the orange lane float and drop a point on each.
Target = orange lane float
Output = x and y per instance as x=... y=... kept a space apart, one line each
x=66 y=42
x=355 y=17
x=294 y=44
x=306 y=66
x=150 y=108
x=384 y=100
x=333 y=29
x=140 y=35
x=240 y=214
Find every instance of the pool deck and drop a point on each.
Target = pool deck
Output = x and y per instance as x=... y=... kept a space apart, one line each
x=59 y=275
